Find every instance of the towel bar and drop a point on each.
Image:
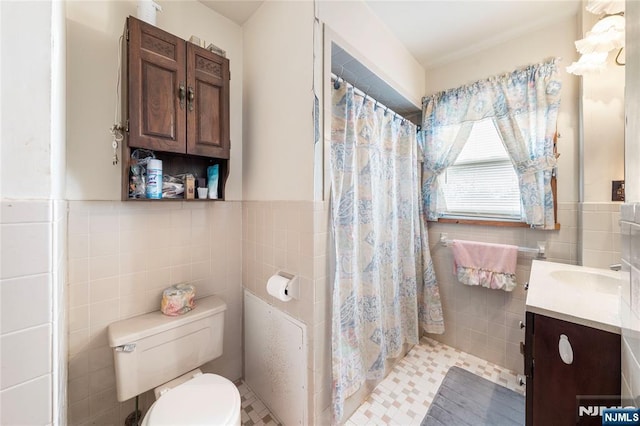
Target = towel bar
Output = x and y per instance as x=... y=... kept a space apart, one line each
x=539 y=252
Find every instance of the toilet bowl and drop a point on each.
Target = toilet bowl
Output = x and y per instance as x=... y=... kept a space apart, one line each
x=206 y=399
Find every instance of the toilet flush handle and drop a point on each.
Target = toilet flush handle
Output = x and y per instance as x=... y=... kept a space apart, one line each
x=129 y=347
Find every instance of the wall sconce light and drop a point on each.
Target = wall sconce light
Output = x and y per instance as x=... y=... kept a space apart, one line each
x=606 y=35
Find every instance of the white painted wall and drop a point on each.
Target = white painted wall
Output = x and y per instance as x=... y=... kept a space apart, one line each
x=93 y=30
x=555 y=40
x=26 y=101
x=278 y=102
x=278 y=75
x=379 y=50
x=58 y=100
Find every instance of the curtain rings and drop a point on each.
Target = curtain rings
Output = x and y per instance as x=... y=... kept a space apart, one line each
x=336 y=84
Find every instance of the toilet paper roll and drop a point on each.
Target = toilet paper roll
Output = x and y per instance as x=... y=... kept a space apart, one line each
x=276 y=286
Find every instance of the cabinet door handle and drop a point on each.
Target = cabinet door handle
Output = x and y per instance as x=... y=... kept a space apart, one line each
x=182 y=93
x=191 y=96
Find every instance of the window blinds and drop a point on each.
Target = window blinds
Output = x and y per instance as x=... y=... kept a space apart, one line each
x=482 y=182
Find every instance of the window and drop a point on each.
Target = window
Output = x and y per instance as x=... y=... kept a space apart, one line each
x=482 y=183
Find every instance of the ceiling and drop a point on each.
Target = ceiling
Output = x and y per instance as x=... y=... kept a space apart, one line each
x=435 y=32
x=440 y=31
x=236 y=10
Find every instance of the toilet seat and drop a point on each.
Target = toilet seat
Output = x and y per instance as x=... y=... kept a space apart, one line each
x=207 y=399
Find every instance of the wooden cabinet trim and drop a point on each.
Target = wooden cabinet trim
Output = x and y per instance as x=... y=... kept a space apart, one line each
x=156 y=65
x=157 y=120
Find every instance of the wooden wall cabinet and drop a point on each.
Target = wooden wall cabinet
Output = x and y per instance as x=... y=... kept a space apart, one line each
x=176 y=99
x=553 y=386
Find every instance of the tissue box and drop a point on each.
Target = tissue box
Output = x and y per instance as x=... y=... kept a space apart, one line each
x=178 y=299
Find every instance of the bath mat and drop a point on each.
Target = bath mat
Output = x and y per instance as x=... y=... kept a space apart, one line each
x=464 y=398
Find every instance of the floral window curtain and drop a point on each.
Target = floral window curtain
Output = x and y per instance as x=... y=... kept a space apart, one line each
x=376 y=224
x=447 y=120
x=524 y=105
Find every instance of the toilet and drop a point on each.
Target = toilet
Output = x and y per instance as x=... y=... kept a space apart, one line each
x=155 y=351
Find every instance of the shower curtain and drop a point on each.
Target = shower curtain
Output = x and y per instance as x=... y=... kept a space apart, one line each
x=382 y=257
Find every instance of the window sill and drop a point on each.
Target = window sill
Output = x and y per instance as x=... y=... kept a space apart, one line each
x=488 y=223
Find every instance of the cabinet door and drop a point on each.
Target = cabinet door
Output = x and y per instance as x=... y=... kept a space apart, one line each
x=157 y=88
x=208 y=103
x=594 y=374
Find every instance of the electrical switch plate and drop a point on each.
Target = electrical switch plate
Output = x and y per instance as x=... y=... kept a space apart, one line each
x=617 y=190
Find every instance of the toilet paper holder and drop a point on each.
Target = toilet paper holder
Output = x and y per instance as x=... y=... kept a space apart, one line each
x=292 y=289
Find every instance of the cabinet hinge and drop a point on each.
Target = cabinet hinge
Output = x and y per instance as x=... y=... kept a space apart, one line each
x=127 y=127
x=127 y=34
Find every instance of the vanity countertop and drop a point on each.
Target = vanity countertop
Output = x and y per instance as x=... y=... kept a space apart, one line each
x=578 y=294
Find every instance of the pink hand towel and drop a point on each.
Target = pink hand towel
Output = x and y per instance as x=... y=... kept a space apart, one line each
x=486 y=264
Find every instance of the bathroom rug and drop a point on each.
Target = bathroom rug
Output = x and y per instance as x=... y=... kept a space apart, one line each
x=465 y=398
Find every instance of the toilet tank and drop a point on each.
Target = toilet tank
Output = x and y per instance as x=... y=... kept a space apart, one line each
x=153 y=348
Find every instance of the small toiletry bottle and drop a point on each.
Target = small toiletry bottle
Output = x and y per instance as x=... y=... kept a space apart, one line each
x=212 y=181
x=154 y=179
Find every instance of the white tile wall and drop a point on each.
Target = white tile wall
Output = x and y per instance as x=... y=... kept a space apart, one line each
x=27 y=404
x=59 y=311
x=629 y=309
x=291 y=236
x=121 y=256
x=484 y=322
x=31 y=265
x=600 y=234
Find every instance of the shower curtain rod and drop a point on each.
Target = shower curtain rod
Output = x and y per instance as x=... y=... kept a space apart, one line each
x=363 y=94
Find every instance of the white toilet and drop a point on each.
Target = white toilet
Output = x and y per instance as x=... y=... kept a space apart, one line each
x=162 y=352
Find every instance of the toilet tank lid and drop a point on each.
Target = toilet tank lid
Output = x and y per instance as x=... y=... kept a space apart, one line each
x=136 y=328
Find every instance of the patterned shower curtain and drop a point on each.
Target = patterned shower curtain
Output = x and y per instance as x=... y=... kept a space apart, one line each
x=382 y=259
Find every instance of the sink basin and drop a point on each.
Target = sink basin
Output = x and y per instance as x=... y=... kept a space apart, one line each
x=587 y=280
x=577 y=294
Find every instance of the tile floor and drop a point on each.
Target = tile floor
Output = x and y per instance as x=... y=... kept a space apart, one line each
x=404 y=396
x=254 y=412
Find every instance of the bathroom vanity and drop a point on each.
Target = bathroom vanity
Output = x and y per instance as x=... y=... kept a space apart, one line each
x=572 y=344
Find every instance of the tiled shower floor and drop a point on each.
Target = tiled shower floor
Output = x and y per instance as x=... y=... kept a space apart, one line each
x=403 y=397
